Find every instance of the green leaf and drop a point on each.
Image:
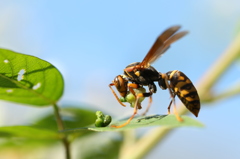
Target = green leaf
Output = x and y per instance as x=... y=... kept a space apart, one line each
x=72 y=117
x=28 y=132
x=146 y=121
x=99 y=146
x=29 y=80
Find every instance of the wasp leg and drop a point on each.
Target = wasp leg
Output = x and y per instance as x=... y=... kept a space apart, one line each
x=176 y=113
x=169 y=107
x=174 y=109
x=149 y=103
x=110 y=86
x=172 y=94
x=134 y=113
x=131 y=86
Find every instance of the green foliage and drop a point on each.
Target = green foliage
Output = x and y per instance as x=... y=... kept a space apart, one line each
x=99 y=146
x=45 y=127
x=145 y=121
x=29 y=80
x=72 y=116
x=28 y=132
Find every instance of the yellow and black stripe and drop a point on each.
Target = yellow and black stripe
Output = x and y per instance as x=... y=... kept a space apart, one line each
x=185 y=90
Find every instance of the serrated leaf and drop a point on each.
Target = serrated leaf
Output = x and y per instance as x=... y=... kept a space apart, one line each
x=146 y=121
x=28 y=132
x=29 y=80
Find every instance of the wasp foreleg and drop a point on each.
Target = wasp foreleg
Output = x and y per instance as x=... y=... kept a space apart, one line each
x=134 y=113
x=110 y=86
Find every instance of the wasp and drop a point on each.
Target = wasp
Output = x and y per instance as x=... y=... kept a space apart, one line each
x=139 y=74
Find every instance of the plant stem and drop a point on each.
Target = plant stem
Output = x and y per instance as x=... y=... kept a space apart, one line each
x=129 y=138
x=60 y=128
x=153 y=137
x=234 y=90
x=220 y=66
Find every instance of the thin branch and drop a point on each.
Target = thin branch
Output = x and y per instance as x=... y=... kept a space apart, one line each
x=129 y=138
x=233 y=91
x=153 y=137
x=60 y=128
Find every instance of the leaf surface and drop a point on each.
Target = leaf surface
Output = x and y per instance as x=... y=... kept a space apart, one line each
x=145 y=121
x=28 y=132
x=29 y=80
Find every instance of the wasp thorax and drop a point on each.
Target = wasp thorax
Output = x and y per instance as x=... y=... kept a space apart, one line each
x=137 y=73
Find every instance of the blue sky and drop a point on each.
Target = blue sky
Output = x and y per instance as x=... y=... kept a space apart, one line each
x=92 y=41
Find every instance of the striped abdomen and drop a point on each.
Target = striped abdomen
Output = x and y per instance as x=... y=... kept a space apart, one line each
x=185 y=90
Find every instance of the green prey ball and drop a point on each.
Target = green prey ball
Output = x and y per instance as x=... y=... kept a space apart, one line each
x=130 y=98
x=102 y=120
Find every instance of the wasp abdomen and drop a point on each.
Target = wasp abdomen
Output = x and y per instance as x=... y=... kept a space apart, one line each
x=185 y=90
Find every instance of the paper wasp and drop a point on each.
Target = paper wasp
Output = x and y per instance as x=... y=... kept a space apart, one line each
x=143 y=74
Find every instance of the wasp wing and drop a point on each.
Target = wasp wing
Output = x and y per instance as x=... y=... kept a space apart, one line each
x=162 y=43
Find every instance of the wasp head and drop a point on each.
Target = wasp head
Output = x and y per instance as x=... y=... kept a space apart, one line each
x=121 y=84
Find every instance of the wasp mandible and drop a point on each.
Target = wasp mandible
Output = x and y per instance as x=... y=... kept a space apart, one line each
x=139 y=74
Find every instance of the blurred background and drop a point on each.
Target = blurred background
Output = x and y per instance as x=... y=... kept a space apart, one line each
x=91 y=42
